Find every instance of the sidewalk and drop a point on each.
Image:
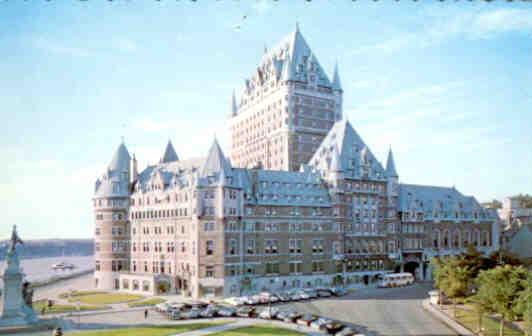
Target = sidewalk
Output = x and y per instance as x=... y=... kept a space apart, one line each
x=446 y=319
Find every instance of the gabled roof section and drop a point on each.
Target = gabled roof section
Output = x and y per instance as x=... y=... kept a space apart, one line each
x=169 y=154
x=390 y=165
x=356 y=160
x=293 y=59
x=216 y=162
x=121 y=159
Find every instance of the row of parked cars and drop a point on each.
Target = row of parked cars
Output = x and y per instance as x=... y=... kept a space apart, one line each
x=286 y=296
x=318 y=323
x=247 y=306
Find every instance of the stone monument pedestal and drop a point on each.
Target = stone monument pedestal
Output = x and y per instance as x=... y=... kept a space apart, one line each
x=16 y=298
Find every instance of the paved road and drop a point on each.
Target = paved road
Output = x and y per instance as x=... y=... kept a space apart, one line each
x=393 y=311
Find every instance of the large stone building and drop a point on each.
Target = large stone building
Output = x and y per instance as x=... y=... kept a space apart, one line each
x=323 y=214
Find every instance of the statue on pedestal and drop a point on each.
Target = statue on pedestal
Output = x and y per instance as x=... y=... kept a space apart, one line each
x=17 y=294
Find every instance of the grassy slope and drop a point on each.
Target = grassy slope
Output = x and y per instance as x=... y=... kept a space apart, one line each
x=62 y=308
x=469 y=319
x=146 y=331
x=105 y=298
x=258 y=330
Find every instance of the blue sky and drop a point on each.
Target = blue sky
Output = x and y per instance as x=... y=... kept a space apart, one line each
x=448 y=85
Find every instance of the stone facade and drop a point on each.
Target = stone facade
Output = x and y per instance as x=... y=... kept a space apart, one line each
x=214 y=227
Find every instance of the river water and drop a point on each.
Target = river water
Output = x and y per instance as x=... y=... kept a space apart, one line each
x=40 y=269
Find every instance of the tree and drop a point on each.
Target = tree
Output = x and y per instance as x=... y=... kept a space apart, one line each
x=523 y=306
x=499 y=289
x=438 y=273
x=455 y=279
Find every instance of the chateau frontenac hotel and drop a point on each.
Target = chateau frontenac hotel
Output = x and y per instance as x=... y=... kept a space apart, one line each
x=302 y=201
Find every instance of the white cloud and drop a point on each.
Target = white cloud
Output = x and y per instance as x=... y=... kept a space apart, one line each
x=472 y=25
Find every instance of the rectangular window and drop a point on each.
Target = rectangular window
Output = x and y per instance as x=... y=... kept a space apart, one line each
x=209 y=271
x=295 y=267
x=209 y=247
x=250 y=246
x=272 y=268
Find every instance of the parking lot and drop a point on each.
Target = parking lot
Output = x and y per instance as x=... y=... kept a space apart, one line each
x=370 y=311
x=390 y=311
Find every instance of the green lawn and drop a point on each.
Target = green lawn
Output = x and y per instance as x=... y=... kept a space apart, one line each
x=62 y=308
x=148 y=302
x=469 y=319
x=258 y=330
x=78 y=293
x=105 y=298
x=146 y=331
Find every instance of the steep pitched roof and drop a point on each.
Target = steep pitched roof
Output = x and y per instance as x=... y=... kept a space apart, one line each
x=216 y=162
x=336 y=84
x=354 y=154
x=121 y=159
x=169 y=154
x=390 y=165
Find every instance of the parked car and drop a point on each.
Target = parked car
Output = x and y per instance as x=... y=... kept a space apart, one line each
x=338 y=291
x=163 y=307
x=198 y=304
x=209 y=311
x=303 y=295
x=293 y=295
x=284 y=297
x=282 y=314
x=191 y=314
x=323 y=293
x=235 y=301
x=333 y=327
x=256 y=299
x=269 y=313
x=306 y=319
x=319 y=324
x=347 y=331
x=312 y=293
x=226 y=312
x=245 y=311
x=175 y=315
x=292 y=317
x=179 y=306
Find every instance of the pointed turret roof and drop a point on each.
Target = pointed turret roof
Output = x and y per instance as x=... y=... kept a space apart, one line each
x=216 y=162
x=336 y=84
x=169 y=154
x=390 y=165
x=121 y=159
x=288 y=69
x=234 y=108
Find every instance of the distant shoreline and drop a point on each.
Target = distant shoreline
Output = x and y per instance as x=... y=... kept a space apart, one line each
x=58 y=278
x=2 y=258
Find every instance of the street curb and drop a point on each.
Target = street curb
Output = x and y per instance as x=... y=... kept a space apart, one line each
x=460 y=330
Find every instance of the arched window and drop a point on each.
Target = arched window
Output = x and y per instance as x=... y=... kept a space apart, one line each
x=467 y=238
x=436 y=238
x=485 y=238
x=476 y=238
x=456 y=239
x=446 y=239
